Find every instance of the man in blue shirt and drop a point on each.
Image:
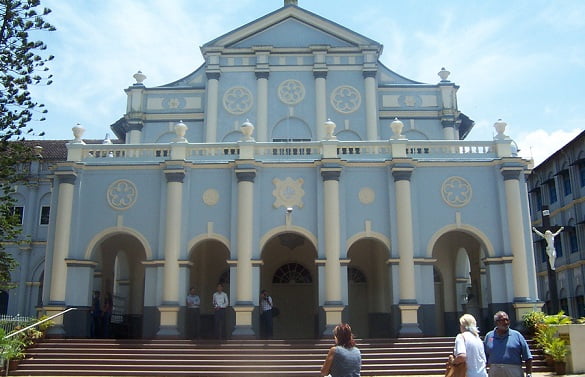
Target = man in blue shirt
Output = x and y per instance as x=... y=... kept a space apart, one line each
x=505 y=349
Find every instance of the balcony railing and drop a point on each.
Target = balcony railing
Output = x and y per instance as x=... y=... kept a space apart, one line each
x=438 y=150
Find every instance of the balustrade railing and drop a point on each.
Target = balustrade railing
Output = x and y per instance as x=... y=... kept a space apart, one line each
x=289 y=151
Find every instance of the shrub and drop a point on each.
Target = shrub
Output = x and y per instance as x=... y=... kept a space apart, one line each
x=558 y=319
x=557 y=349
x=531 y=322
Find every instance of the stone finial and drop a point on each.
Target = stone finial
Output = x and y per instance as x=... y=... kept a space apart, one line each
x=139 y=77
x=444 y=74
x=500 y=127
x=329 y=126
x=397 y=126
x=78 y=131
x=180 y=130
x=107 y=140
x=247 y=129
x=291 y=2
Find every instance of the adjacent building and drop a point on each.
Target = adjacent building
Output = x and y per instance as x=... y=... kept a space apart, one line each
x=557 y=185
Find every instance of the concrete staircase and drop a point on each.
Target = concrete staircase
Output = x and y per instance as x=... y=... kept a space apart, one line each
x=234 y=358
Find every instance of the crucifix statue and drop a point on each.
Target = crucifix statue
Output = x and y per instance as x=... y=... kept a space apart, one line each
x=549 y=236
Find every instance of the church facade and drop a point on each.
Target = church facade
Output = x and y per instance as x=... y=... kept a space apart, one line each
x=292 y=160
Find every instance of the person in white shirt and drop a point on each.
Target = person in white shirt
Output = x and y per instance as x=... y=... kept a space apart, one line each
x=220 y=303
x=265 y=315
x=193 y=314
x=469 y=348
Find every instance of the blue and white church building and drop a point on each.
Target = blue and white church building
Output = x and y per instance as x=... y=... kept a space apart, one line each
x=292 y=160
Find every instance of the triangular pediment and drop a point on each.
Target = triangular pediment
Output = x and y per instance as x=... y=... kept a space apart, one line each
x=291 y=26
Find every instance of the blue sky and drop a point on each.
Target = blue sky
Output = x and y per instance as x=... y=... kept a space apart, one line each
x=521 y=61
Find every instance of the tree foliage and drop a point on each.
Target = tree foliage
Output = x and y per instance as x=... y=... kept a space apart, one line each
x=22 y=65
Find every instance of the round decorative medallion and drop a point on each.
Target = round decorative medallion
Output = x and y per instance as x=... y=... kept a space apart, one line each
x=346 y=99
x=122 y=194
x=211 y=197
x=366 y=195
x=456 y=191
x=288 y=193
x=238 y=100
x=291 y=92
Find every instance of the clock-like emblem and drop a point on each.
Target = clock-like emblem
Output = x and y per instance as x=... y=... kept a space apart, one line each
x=288 y=193
x=456 y=192
x=122 y=194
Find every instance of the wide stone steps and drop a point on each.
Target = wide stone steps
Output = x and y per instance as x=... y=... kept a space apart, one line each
x=110 y=357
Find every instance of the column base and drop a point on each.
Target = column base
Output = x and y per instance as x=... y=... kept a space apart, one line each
x=168 y=322
x=57 y=330
x=333 y=317
x=409 y=326
x=243 y=328
x=522 y=308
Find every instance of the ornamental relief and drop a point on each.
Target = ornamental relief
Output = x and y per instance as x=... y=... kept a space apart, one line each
x=210 y=197
x=291 y=92
x=288 y=192
x=122 y=194
x=366 y=195
x=238 y=100
x=456 y=192
x=346 y=99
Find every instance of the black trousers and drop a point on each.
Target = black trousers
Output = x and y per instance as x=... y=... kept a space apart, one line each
x=266 y=324
x=219 y=323
x=193 y=323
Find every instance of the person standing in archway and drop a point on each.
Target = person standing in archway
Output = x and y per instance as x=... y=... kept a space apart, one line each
x=220 y=304
x=193 y=302
x=265 y=315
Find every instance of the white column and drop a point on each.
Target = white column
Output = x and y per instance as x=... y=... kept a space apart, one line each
x=262 y=106
x=212 y=107
x=333 y=305
x=407 y=304
x=320 y=102
x=61 y=246
x=244 y=305
x=517 y=233
x=172 y=247
x=371 y=105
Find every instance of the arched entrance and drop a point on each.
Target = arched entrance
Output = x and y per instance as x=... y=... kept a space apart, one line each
x=209 y=267
x=458 y=272
x=120 y=273
x=289 y=273
x=369 y=289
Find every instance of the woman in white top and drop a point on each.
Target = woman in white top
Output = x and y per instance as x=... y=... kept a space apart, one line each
x=469 y=347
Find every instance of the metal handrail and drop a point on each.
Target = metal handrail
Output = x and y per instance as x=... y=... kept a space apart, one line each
x=39 y=322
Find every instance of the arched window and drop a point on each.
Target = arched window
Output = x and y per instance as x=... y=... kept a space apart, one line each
x=354 y=275
x=292 y=273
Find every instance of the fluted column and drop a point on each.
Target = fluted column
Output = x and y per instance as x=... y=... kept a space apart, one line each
x=333 y=305
x=320 y=102
x=407 y=304
x=170 y=293
x=517 y=232
x=262 y=106
x=212 y=107
x=61 y=246
x=371 y=105
x=244 y=305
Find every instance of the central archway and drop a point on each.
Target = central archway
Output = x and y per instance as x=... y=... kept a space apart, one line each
x=289 y=273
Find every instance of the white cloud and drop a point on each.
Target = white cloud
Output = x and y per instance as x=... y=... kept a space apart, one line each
x=540 y=144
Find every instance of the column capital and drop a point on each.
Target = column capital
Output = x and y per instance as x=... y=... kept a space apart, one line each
x=68 y=177
x=175 y=176
x=511 y=173
x=369 y=73
x=262 y=74
x=402 y=173
x=246 y=175
x=213 y=75
x=320 y=74
x=329 y=174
